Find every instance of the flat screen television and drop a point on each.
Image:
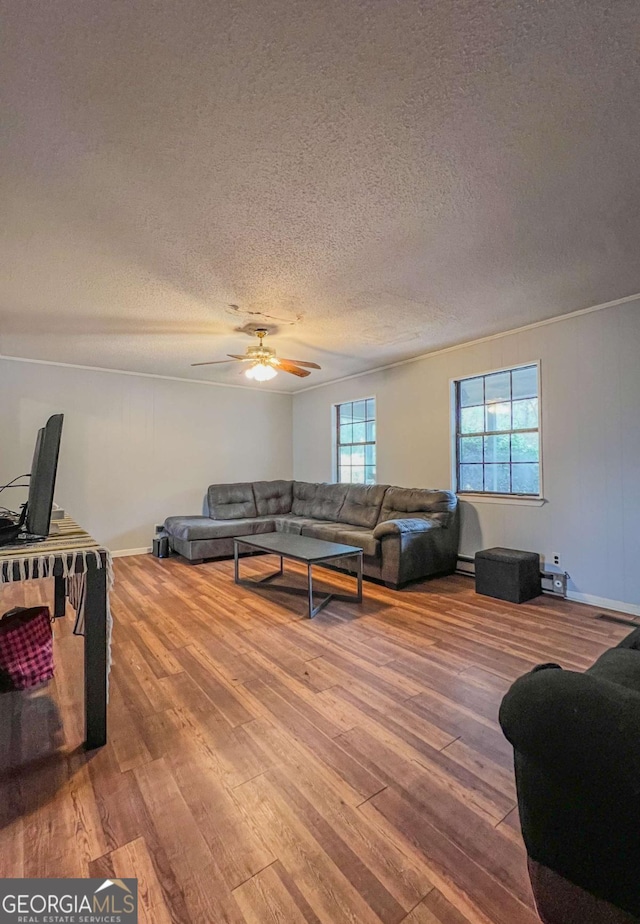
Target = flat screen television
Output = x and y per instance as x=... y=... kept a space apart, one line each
x=43 y=477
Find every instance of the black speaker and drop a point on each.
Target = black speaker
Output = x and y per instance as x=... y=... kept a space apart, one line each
x=161 y=546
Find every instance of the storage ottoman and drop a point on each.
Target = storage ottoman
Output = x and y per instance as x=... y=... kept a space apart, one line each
x=508 y=574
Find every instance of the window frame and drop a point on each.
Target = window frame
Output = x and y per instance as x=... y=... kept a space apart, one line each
x=336 y=438
x=495 y=497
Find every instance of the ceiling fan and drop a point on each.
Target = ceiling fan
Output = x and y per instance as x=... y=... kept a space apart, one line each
x=265 y=364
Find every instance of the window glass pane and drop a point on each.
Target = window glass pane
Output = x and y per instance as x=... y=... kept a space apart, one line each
x=525 y=447
x=497 y=387
x=496 y=448
x=471 y=449
x=345 y=413
x=345 y=455
x=370 y=475
x=526 y=478
x=525 y=414
x=357 y=474
x=497 y=478
x=359 y=432
x=357 y=455
x=470 y=478
x=344 y=473
x=471 y=392
x=371 y=431
x=498 y=416
x=370 y=455
x=472 y=419
x=359 y=410
x=371 y=408
x=346 y=433
x=525 y=382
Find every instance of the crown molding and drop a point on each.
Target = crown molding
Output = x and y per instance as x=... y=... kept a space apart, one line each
x=345 y=378
x=144 y=375
x=467 y=343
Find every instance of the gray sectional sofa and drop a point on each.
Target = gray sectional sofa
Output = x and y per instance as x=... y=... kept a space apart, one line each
x=405 y=533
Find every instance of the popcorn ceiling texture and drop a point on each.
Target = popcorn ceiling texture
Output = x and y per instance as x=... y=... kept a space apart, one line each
x=369 y=179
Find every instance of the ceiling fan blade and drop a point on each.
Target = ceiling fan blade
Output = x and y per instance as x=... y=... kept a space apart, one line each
x=234 y=358
x=299 y=362
x=287 y=366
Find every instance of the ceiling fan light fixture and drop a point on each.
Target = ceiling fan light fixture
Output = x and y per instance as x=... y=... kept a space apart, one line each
x=261 y=372
x=264 y=364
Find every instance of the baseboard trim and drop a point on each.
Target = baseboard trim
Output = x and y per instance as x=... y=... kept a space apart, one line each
x=466 y=566
x=124 y=553
x=631 y=609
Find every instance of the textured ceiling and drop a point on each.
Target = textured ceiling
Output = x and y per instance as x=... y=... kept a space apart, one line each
x=369 y=179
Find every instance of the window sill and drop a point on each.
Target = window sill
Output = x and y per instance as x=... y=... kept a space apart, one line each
x=502 y=499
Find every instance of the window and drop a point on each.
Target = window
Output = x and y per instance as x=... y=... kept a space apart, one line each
x=497 y=433
x=356 y=441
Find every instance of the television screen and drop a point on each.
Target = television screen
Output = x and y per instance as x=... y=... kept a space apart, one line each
x=43 y=477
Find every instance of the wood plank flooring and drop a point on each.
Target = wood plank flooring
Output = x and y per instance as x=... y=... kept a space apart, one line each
x=262 y=767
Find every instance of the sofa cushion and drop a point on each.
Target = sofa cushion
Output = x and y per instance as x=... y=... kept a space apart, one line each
x=231 y=501
x=189 y=527
x=192 y=529
x=362 y=504
x=229 y=529
x=321 y=501
x=273 y=497
x=400 y=503
x=288 y=523
x=359 y=536
x=620 y=665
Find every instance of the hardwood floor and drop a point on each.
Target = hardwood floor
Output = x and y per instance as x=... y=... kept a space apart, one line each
x=262 y=767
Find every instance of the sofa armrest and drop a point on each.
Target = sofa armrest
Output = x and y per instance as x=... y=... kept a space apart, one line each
x=577 y=726
x=407 y=525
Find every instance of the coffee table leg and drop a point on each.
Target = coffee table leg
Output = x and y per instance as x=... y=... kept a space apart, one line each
x=310 y=588
x=360 y=578
x=235 y=561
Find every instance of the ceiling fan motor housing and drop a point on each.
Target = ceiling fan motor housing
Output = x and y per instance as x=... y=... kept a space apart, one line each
x=261 y=352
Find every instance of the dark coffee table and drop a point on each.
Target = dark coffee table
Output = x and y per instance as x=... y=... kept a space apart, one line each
x=306 y=550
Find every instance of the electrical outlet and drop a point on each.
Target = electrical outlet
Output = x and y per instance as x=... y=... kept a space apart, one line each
x=560 y=584
x=556 y=559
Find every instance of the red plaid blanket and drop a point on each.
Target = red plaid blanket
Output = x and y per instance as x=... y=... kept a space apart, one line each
x=26 y=648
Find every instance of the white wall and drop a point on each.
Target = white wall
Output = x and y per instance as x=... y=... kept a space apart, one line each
x=590 y=381
x=136 y=449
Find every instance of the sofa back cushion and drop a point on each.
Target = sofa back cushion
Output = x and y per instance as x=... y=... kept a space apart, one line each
x=321 y=501
x=362 y=504
x=273 y=497
x=400 y=503
x=231 y=501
